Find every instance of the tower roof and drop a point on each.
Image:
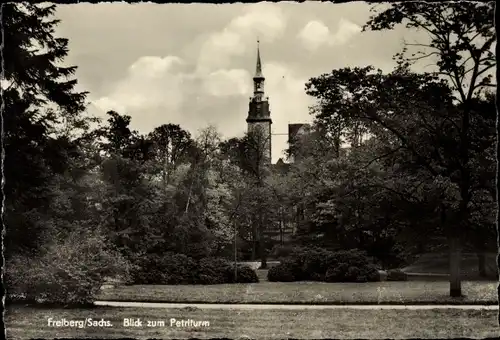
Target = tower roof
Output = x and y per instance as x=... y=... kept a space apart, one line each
x=258 y=69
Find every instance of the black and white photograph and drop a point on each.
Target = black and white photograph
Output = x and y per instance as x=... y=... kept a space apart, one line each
x=265 y=170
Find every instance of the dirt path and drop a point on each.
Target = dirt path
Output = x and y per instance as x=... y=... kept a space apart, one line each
x=287 y=307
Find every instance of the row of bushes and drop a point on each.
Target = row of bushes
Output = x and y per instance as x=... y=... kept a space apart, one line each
x=324 y=265
x=174 y=269
x=71 y=270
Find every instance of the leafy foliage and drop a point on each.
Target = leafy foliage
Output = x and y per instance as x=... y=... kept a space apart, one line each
x=286 y=271
x=41 y=108
x=163 y=205
x=461 y=35
x=415 y=128
x=323 y=265
x=173 y=269
x=71 y=270
x=461 y=42
x=246 y=274
x=167 y=268
x=350 y=266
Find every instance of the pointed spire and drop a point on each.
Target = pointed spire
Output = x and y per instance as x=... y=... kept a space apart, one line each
x=258 y=70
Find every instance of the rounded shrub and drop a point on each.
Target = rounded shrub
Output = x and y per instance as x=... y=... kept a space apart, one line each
x=286 y=271
x=314 y=264
x=69 y=271
x=168 y=268
x=245 y=274
x=215 y=271
x=141 y=274
x=181 y=269
x=351 y=266
x=322 y=265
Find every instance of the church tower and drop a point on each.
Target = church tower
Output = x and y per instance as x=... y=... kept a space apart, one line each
x=259 y=117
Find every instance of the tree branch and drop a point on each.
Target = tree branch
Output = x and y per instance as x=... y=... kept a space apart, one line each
x=382 y=156
x=423 y=57
x=405 y=143
x=483 y=85
x=421 y=45
x=480 y=72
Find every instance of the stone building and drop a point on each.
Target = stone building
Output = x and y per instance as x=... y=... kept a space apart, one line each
x=295 y=132
x=259 y=118
x=259 y=124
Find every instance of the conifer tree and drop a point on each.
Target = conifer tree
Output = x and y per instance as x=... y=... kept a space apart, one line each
x=42 y=112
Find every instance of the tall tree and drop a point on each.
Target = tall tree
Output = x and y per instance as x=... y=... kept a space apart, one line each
x=256 y=168
x=417 y=125
x=171 y=145
x=254 y=195
x=461 y=40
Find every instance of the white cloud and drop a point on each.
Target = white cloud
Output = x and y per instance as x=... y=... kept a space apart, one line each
x=151 y=82
x=105 y=104
x=152 y=67
x=158 y=89
x=155 y=89
x=228 y=82
x=316 y=34
x=161 y=89
x=218 y=50
x=264 y=20
x=213 y=42
x=346 y=30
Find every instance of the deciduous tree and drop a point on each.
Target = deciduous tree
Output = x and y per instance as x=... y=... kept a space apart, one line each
x=461 y=39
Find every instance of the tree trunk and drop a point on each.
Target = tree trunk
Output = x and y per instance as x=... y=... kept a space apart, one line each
x=455 y=282
x=262 y=245
x=282 y=233
x=235 y=253
x=263 y=258
x=281 y=225
x=465 y=181
x=190 y=192
x=498 y=287
x=454 y=253
x=337 y=145
x=254 y=240
x=189 y=198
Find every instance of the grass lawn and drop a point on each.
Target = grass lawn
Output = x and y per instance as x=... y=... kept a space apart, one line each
x=438 y=263
x=409 y=292
x=26 y=322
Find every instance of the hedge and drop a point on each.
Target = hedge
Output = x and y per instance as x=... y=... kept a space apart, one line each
x=172 y=269
x=324 y=265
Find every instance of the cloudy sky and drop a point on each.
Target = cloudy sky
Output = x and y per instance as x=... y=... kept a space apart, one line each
x=193 y=64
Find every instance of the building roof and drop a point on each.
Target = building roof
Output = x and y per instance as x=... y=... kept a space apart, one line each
x=258 y=68
x=295 y=129
x=280 y=166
